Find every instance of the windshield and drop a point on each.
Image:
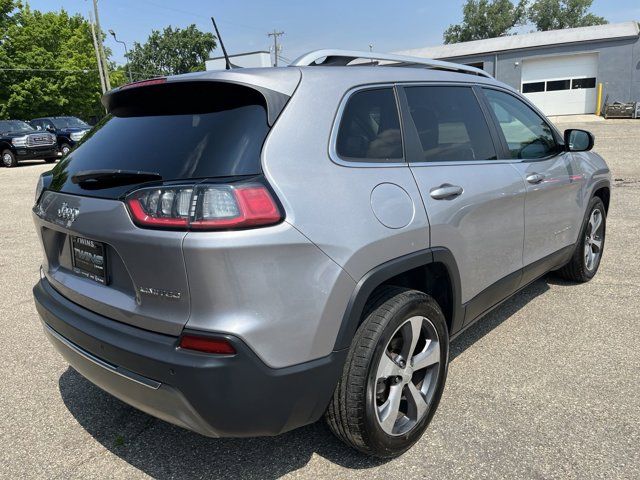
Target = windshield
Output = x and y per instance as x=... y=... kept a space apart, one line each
x=183 y=133
x=68 y=122
x=15 y=126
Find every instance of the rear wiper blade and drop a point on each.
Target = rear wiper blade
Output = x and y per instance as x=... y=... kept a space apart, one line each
x=98 y=179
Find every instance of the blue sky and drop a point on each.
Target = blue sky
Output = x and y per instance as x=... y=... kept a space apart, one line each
x=350 y=24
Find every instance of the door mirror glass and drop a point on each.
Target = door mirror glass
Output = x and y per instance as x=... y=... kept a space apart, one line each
x=578 y=140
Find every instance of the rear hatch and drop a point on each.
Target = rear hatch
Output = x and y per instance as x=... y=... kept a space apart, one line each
x=174 y=133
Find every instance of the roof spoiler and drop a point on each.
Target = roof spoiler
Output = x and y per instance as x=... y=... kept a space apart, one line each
x=116 y=100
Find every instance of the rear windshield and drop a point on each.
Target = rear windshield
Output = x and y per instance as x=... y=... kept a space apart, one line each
x=181 y=131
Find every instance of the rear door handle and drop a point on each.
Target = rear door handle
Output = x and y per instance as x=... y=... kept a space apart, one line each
x=445 y=191
x=535 y=178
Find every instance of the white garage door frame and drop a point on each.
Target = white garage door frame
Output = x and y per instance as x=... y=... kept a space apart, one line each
x=561 y=84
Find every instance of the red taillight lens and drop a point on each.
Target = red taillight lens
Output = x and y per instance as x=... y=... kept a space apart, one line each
x=144 y=83
x=244 y=206
x=204 y=207
x=218 y=346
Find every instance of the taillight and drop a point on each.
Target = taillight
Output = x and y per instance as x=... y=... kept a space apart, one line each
x=215 y=345
x=204 y=207
x=144 y=83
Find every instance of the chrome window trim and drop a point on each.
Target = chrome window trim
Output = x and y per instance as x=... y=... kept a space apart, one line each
x=333 y=139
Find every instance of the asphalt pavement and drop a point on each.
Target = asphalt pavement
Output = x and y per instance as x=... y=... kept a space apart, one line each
x=546 y=386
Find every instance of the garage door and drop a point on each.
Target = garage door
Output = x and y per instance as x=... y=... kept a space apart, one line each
x=561 y=85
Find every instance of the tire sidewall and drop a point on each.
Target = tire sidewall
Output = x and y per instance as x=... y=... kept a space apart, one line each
x=388 y=445
x=595 y=203
x=14 y=162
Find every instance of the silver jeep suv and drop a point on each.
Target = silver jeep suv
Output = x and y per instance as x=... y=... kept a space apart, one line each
x=243 y=252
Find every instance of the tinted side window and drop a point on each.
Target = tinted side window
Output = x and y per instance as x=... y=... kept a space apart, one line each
x=450 y=124
x=527 y=134
x=370 y=127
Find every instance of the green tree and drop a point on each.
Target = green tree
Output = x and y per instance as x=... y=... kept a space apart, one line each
x=6 y=9
x=47 y=66
x=558 y=14
x=171 y=52
x=486 y=19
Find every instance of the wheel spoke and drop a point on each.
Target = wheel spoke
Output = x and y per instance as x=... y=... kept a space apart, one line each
x=597 y=243
x=587 y=254
x=387 y=368
x=430 y=356
x=590 y=259
x=416 y=403
x=596 y=221
x=411 y=334
x=388 y=411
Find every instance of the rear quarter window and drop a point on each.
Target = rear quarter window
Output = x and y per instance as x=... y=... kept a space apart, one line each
x=370 y=127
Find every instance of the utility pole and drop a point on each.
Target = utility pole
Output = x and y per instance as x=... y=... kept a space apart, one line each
x=276 y=48
x=105 y=68
x=99 y=60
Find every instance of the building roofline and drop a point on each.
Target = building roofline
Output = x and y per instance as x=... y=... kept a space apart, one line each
x=240 y=54
x=612 y=31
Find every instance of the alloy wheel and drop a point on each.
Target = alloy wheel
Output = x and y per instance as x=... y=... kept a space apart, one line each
x=6 y=160
x=593 y=240
x=407 y=375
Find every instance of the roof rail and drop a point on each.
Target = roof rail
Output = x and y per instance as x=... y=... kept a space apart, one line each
x=345 y=57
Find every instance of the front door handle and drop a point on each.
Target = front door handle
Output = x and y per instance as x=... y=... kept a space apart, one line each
x=535 y=178
x=445 y=191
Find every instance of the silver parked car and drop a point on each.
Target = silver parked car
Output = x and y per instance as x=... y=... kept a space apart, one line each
x=243 y=252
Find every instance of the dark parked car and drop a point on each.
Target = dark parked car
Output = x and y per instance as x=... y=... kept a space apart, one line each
x=20 y=141
x=69 y=130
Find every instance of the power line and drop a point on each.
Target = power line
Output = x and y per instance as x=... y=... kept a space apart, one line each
x=85 y=70
x=198 y=15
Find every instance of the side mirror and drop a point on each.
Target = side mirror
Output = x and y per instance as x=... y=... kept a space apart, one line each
x=578 y=140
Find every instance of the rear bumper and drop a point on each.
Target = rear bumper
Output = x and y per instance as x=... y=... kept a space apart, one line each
x=218 y=396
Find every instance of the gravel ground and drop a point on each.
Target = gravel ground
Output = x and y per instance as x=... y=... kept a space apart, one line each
x=546 y=386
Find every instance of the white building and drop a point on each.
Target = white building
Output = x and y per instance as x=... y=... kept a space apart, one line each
x=245 y=60
x=558 y=70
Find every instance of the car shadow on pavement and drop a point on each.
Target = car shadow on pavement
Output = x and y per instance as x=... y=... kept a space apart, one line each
x=162 y=450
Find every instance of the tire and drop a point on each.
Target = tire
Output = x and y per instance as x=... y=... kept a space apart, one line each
x=65 y=148
x=370 y=382
x=50 y=160
x=9 y=159
x=582 y=268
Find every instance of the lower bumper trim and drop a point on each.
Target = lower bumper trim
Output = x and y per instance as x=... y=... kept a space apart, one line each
x=123 y=372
